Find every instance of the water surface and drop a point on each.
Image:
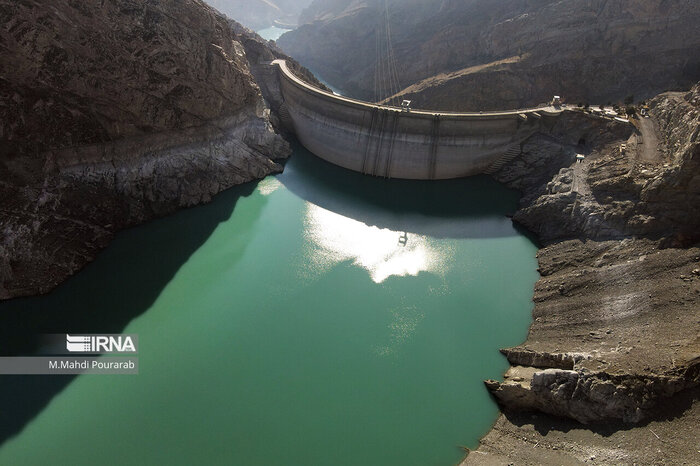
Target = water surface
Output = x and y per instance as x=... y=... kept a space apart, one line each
x=317 y=317
x=272 y=33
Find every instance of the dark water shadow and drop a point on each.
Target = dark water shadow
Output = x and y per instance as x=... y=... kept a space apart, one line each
x=121 y=284
x=472 y=207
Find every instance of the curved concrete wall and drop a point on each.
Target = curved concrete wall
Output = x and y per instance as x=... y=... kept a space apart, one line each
x=384 y=141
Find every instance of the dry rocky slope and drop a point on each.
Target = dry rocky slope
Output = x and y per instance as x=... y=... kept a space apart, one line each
x=485 y=55
x=113 y=113
x=615 y=344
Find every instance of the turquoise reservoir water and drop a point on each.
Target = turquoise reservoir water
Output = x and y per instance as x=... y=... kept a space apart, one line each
x=317 y=317
x=272 y=33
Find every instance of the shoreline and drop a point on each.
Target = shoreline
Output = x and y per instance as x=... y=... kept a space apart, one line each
x=613 y=346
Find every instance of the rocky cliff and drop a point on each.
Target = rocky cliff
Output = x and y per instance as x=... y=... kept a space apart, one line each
x=615 y=340
x=482 y=55
x=112 y=113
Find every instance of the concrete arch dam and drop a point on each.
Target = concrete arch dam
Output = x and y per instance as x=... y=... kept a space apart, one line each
x=388 y=142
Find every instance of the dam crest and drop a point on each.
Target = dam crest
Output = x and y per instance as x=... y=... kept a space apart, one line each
x=393 y=142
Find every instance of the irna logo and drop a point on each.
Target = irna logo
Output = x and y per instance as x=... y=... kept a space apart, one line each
x=100 y=344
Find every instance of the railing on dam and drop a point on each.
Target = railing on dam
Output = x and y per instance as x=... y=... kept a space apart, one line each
x=386 y=141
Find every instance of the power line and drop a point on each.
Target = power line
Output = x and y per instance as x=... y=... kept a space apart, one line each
x=386 y=76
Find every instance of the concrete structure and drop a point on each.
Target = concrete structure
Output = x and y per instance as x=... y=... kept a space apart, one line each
x=388 y=142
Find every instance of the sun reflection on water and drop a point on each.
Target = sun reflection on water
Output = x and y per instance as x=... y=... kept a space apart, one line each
x=405 y=320
x=333 y=238
x=268 y=185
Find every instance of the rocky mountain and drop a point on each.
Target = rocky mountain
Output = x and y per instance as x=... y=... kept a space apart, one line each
x=614 y=343
x=656 y=196
x=258 y=14
x=483 y=55
x=112 y=113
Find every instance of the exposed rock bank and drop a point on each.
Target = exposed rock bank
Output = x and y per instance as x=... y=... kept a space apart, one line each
x=616 y=339
x=113 y=113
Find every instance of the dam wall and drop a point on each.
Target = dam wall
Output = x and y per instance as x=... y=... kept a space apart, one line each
x=388 y=142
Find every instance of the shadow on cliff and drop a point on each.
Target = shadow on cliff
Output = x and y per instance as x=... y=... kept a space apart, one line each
x=666 y=410
x=122 y=283
x=473 y=207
